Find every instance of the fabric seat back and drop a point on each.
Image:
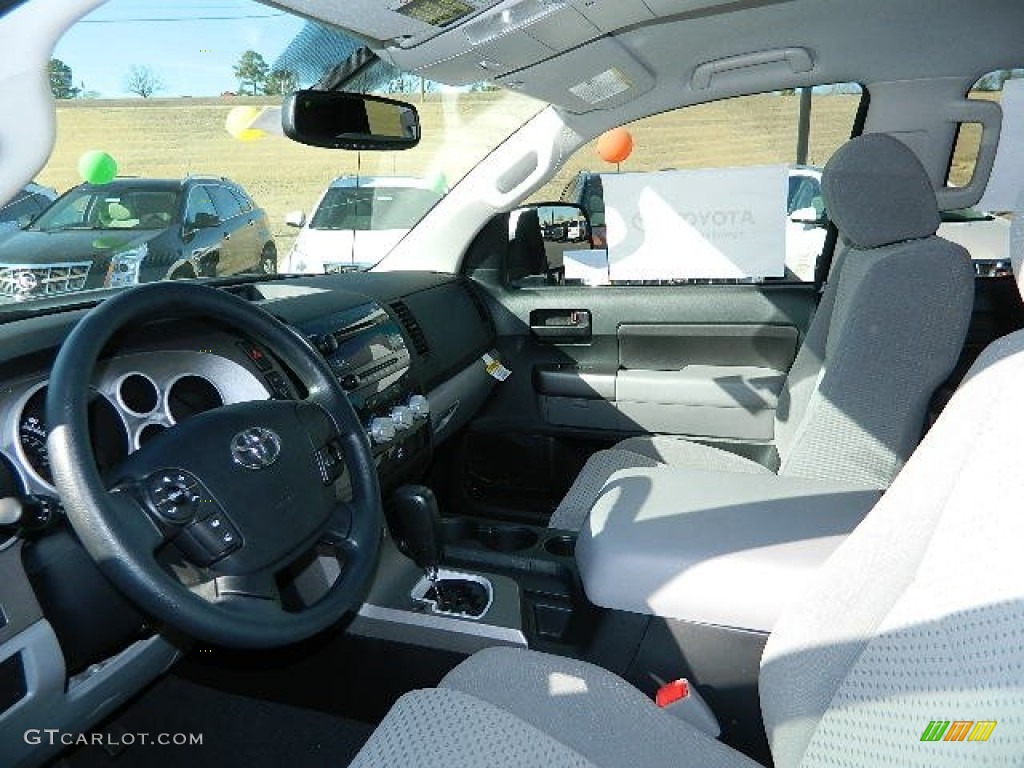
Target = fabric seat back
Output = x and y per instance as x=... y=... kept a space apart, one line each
x=889 y=328
x=918 y=618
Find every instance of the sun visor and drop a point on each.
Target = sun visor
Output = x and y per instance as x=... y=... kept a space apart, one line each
x=616 y=79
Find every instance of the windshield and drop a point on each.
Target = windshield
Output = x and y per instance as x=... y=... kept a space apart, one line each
x=176 y=93
x=364 y=208
x=114 y=208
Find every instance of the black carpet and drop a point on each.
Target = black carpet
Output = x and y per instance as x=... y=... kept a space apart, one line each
x=236 y=731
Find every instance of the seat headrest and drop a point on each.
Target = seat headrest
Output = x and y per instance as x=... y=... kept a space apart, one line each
x=1017 y=243
x=878 y=193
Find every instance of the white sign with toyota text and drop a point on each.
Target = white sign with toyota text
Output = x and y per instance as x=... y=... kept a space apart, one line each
x=710 y=223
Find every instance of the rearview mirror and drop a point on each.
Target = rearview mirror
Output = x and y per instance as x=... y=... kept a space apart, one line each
x=338 y=120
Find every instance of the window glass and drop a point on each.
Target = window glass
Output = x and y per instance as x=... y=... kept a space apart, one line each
x=985 y=229
x=228 y=206
x=22 y=206
x=968 y=140
x=67 y=212
x=369 y=208
x=242 y=199
x=708 y=191
x=199 y=202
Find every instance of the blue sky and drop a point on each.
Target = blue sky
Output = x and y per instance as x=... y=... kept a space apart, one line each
x=192 y=47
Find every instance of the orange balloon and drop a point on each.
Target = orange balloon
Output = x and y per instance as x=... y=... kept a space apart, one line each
x=615 y=145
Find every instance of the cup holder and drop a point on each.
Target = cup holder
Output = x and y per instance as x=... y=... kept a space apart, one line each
x=561 y=546
x=507 y=539
x=458 y=531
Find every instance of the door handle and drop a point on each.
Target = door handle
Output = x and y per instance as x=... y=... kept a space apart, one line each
x=570 y=325
x=227 y=235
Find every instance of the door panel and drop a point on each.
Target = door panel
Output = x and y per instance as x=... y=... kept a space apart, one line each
x=706 y=361
x=660 y=328
x=666 y=347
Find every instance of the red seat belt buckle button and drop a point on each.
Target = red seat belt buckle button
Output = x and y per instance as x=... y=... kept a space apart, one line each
x=672 y=692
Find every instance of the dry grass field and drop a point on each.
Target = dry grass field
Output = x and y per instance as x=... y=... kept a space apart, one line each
x=174 y=137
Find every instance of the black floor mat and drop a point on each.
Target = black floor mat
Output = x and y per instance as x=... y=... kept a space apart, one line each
x=235 y=730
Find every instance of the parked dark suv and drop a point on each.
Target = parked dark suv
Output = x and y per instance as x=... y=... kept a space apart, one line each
x=25 y=206
x=137 y=231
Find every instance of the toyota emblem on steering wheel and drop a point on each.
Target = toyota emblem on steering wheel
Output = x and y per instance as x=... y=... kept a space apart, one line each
x=255 y=448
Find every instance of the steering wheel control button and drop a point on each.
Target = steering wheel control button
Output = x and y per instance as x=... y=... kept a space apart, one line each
x=330 y=461
x=174 y=494
x=255 y=448
x=210 y=539
x=279 y=387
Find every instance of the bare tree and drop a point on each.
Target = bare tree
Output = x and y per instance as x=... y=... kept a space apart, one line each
x=143 y=81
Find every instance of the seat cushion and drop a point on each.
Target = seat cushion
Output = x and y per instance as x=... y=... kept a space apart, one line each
x=635 y=452
x=443 y=728
x=588 y=709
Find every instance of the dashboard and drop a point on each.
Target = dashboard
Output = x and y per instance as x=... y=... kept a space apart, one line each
x=406 y=348
x=135 y=397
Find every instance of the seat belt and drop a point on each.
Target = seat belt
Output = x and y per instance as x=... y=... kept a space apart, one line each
x=824 y=265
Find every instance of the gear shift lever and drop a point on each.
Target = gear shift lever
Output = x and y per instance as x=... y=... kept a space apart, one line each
x=416 y=526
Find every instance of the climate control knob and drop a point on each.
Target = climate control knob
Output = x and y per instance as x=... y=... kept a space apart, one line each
x=402 y=417
x=420 y=406
x=382 y=431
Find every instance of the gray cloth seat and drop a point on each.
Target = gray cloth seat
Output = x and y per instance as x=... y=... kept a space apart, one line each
x=917 y=617
x=888 y=331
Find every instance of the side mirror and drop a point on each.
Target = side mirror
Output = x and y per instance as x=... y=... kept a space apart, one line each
x=563 y=223
x=204 y=221
x=809 y=216
x=540 y=237
x=24 y=220
x=295 y=219
x=338 y=120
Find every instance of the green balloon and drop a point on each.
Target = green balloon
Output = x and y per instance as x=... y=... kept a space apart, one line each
x=97 y=167
x=438 y=182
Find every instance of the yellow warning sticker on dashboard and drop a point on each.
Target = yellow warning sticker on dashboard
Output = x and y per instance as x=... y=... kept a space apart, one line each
x=494 y=367
x=437 y=13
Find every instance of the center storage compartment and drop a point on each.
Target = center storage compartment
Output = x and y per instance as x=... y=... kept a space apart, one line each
x=541 y=560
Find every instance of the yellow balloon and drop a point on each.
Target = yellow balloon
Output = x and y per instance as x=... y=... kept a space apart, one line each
x=239 y=122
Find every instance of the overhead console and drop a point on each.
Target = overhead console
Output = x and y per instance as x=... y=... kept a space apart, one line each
x=459 y=42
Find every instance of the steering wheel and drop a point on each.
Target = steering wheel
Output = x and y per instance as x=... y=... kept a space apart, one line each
x=244 y=491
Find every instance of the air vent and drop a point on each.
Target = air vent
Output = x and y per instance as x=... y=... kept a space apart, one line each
x=478 y=302
x=412 y=327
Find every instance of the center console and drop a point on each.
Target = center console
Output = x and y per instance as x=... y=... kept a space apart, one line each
x=463 y=584
x=367 y=352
